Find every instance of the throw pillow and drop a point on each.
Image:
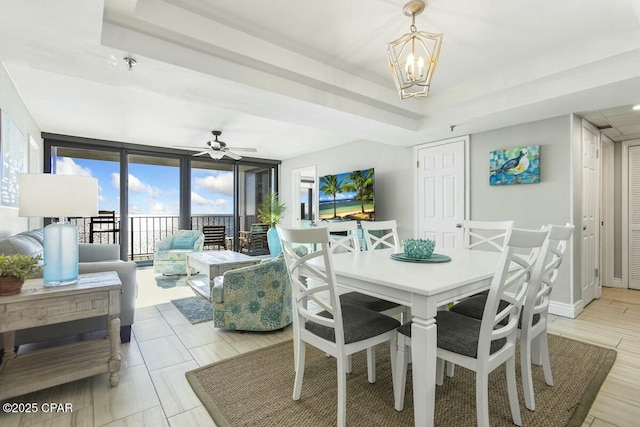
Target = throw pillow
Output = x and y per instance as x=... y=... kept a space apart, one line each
x=183 y=242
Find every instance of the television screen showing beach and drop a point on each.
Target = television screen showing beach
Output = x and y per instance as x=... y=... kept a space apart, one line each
x=347 y=195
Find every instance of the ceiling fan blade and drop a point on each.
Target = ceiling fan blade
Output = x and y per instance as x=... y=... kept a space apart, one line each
x=245 y=149
x=231 y=154
x=200 y=154
x=185 y=147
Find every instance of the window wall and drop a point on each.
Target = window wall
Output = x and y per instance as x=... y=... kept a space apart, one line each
x=154 y=191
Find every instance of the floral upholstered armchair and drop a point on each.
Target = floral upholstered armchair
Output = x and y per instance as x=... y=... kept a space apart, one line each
x=254 y=298
x=171 y=253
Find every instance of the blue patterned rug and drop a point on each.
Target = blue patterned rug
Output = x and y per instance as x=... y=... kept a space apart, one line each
x=166 y=282
x=195 y=309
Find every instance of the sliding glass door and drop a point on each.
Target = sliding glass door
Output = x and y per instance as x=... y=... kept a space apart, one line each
x=105 y=167
x=147 y=193
x=153 y=201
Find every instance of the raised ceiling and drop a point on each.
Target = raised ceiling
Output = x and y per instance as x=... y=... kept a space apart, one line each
x=292 y=77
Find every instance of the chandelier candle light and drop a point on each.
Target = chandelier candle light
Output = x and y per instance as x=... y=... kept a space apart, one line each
x=414 y=56
x=58 y=196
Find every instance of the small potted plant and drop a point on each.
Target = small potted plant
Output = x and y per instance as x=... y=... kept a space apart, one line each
x=270 y=212
x=14 y=269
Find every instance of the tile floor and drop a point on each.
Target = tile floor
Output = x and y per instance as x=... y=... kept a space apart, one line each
x=153 y=390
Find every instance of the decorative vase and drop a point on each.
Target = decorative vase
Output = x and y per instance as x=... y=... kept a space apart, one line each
x=10 y=285
x=274 y=242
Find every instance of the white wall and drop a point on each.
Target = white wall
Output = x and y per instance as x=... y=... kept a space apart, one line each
x=393 y=177
x=529 y=205
x=11 y=104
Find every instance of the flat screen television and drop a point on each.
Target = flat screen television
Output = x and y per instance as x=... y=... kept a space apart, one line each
x=347 y=196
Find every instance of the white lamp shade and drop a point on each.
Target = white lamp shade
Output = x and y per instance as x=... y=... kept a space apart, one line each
x=57 y=196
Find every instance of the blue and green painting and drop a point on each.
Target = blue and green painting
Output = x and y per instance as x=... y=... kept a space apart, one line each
x=347 y=195
x=517 y=165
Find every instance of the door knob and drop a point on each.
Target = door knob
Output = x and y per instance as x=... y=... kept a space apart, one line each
x=458 y=225
x=584 y=228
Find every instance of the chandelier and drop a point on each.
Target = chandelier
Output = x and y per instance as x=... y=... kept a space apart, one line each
x=414 y=56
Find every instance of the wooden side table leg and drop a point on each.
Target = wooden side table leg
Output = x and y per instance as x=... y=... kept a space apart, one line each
x=9 y=339
x=115 y=359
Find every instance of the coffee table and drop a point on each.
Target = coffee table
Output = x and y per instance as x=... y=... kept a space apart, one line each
x=212 y=264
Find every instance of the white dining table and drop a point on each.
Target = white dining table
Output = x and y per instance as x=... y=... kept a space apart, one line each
x=423 y=287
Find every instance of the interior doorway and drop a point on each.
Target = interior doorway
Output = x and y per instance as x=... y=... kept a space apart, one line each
x=304 y=206
x=631 y=214
x=442 y=191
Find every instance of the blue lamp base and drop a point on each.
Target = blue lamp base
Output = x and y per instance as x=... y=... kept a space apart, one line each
x=60 y=254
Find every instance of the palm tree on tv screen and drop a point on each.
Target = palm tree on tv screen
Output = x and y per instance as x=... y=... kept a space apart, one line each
x=361 y=182
x=330 y=185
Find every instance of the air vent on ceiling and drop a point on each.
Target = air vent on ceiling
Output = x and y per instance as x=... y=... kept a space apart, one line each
x=605 y=127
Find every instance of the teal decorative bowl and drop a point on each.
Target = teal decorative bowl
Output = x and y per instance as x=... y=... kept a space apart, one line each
x=419 y=248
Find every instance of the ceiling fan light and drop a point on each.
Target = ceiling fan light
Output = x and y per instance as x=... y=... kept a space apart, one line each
x=636 y=107
x=216 y=155
x=414 y=56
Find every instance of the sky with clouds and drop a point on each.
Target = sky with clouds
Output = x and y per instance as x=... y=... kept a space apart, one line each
x=153 y=189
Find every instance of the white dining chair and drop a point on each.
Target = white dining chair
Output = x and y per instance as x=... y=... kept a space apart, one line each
x=387 y=229
x=485 y=235
x=483 y=345
x=532 y=328
x=349 y=242
x=340 y=330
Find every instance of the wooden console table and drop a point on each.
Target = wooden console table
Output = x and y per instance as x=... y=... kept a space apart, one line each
x=95 y=294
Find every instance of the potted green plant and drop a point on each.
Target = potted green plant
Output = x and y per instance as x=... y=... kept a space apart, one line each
x=14 y=270
x=270 y=211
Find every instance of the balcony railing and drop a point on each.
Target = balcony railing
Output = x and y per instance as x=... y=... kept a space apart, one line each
x=146 y=231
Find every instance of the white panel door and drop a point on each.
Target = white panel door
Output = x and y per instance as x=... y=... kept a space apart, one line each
x=634 y=217
x=441 y=193
x=590 y=214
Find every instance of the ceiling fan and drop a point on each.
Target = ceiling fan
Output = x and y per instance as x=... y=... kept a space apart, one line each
x=218 y=149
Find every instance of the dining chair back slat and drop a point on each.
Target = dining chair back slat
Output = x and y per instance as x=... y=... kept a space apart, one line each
x=486 y=235
x=343 y=237
x=388 y=230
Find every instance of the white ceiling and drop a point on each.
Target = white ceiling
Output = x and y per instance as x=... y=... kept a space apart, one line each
x=291 y=77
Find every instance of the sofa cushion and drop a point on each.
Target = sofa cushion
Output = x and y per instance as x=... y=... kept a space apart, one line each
x=20 y=244
x=37 y=235
x=183 y=242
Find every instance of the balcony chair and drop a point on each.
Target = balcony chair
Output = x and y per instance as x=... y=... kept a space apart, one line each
x=105 y=222
x=170 y=257
x=532 y=327
x=215 y=236
x=339 y=330
x=483 y=345
x=255 y=241
x=380 y=234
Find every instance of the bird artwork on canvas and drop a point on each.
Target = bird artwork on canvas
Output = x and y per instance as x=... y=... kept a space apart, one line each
x=514 y=166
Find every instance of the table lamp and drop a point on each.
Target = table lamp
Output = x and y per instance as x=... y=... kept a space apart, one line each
x=58 y=196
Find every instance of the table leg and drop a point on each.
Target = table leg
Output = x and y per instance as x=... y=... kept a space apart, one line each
x=115 y=359
x=423 y=355
x=9 y=338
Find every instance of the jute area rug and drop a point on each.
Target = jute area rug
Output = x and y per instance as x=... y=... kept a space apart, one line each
x=254 y=389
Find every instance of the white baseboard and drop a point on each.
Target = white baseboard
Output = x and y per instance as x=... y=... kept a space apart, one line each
x=566 y=310
x=615 y=283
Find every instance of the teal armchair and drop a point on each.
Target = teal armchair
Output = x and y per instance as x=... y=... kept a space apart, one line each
x=171 y=253
x=254 y=298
